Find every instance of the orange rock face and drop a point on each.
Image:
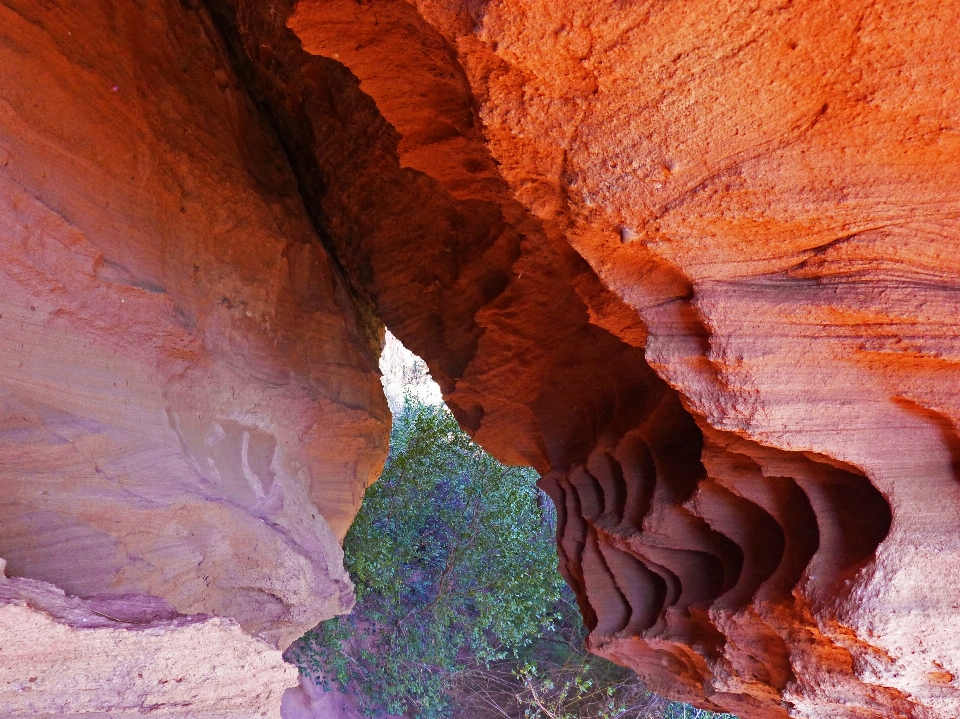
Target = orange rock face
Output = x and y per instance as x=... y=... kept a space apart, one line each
x=742 y=385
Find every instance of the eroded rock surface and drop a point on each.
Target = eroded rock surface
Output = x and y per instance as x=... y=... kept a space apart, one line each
x=128 y=655
x=695 y=262
x=742 y=385
x=190 y=405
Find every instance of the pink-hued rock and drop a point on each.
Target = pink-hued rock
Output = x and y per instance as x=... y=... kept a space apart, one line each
x=190 y=404
x=311 y=700
x=127 y=656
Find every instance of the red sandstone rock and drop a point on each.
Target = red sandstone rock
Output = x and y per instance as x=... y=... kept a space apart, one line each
x=766 y=199
x=694 y=262
x=190 y=404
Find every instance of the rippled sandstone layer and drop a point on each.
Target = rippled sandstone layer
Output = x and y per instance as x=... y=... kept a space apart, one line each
x=742 y=385
x=190 y=405
x=695 y=262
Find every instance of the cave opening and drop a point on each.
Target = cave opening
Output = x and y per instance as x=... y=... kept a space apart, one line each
x=460 y=609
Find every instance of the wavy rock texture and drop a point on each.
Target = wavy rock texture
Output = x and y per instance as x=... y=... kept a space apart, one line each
x=741 y=385
x=190 y=405
x=127 y=656
x=695 y=262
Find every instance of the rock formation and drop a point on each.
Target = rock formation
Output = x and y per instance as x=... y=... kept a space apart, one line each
x=741 y=386
x=127 y=656
x=695 y=262
x=191 y=406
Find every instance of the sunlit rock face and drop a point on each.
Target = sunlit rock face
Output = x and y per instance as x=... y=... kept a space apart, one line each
x=190 y=405
x=405 y=376
x=696 y=263
x=127 y=656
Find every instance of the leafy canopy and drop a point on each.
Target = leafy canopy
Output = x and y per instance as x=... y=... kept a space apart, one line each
x=460 y=609
x=454 y=566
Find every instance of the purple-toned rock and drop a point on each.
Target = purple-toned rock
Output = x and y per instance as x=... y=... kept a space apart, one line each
x=129 y=656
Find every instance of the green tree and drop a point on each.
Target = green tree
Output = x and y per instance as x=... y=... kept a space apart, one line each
x=460 y=609
x=454 y=566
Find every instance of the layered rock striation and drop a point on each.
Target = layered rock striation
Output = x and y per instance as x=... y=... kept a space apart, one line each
x=693 y=262
x=717 y=249
x=127 y=656
x=190 y=404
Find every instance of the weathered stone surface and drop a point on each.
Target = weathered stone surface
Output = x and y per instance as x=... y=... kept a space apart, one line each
x=746 y=397
x=127 y=656
x=312 y=699
x=695 y=262
x=190 y=405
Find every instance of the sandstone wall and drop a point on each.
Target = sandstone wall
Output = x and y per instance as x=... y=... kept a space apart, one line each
x=128 y=656
x=695 y=262
x=742 y=384
x=190 y=404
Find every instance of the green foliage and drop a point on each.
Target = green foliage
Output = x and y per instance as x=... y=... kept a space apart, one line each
x=454 y=567
x=556 y=678
x=460 y=610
